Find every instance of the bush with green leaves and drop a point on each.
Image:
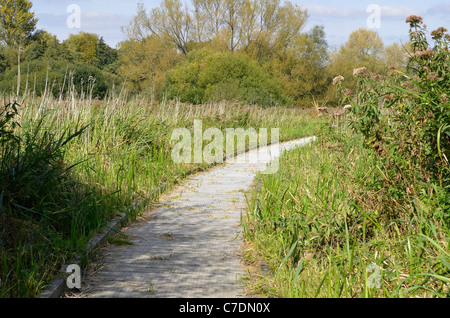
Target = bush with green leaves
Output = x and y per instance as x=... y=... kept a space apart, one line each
x=405 y=118
x=207 y=76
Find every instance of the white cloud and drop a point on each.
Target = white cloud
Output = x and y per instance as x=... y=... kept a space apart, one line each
x=325 y=11
x=399 y=12
x=388 y=12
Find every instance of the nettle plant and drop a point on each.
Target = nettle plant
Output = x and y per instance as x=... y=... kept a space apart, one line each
x=405 y=116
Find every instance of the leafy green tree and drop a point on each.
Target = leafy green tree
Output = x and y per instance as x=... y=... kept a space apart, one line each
x=43 y=45
x=364 y=48
x=302 y=67
x=17 y=22
x=107 y=56
x=84 y=46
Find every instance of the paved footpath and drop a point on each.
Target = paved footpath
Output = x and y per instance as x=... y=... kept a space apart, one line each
x=190 y=245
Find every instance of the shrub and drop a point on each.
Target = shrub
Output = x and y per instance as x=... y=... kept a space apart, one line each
x=212 y=77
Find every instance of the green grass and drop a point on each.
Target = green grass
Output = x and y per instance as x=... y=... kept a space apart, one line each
x=320 y=223
x=84 y=161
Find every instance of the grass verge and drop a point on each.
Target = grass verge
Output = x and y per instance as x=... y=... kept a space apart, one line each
x=320 y=228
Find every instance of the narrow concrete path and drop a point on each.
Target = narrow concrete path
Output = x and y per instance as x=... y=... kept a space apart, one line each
x=189 y=246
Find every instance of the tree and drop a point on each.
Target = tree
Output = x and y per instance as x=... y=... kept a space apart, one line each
x=43 y=45
x=84 y=45
x=170 y=21
x=208 y=16
x=3 y=61
x=232 y=25
x=17 y=23
x=303 y=66
x=394 y=55
x=144 y=63
x=270 y=32
x=106 y=56
x=364 y=48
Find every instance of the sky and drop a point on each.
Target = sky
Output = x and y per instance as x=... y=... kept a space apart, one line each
x=339 y=17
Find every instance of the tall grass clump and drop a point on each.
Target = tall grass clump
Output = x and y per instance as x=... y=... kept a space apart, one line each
x=365 y=211
x=42 y=207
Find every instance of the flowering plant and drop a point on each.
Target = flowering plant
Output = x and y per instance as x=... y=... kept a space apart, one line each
x=405 y=116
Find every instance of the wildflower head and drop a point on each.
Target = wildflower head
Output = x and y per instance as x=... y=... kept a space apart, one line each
x=409 y=55
x=414 y=20
x=338 y=79
x=347 y=107
x=378 y=77
x=358 y=71
x=425 y=54
x=438 y=33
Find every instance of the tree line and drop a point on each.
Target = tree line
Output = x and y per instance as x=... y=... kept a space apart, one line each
x=254 y=51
